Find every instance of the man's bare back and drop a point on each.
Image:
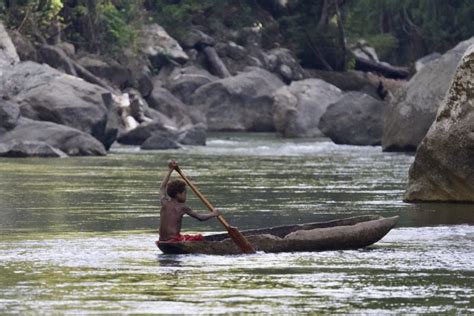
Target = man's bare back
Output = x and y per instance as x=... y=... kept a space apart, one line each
x=171 y=215
x=173 y=208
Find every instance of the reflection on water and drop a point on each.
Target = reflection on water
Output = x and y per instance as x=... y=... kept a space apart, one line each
x=78 y=234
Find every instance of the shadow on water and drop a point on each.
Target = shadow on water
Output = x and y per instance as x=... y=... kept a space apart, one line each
x=433 y=214
x=169 y=260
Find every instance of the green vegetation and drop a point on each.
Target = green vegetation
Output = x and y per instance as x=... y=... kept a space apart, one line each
x=403 y=30
x=318 y=31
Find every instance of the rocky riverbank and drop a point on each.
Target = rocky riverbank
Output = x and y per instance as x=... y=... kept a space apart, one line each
x=56 y=102
x=169 y=93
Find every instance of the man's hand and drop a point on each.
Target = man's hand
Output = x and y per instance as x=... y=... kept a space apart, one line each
x=216 y=212
x=172 y=164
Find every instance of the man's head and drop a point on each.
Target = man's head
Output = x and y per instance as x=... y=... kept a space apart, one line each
x=176 y=189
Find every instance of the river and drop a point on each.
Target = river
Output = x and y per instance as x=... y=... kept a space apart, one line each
x=78 y=234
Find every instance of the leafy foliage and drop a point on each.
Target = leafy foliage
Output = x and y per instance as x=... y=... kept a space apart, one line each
x=400 y=30
x=178 y=16
x=410 y=29
x=36 y=17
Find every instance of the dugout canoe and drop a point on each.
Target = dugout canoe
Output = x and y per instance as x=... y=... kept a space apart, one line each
x=348 y=233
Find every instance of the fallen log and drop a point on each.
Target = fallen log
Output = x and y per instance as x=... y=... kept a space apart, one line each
x=216 y=62
x=386 y=70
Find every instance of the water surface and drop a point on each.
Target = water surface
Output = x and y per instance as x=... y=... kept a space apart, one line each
x=78 y=234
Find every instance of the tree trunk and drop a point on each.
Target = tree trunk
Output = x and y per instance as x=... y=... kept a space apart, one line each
x=325 y=14
x=342 y=37
x=91 y=25
x=317 y=53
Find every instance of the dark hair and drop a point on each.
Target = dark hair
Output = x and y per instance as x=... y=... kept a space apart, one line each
x=174 y=187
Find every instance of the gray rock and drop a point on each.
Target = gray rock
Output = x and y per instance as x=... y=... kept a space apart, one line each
x=8 y=54
x=24 y=47
x=46 y=94
x=160 y=47
x=183 y=82
x=139 y=68
x=165 y=102
x=231 y=50
x=71 y=141
x=193 y=55
x=414 y=107
x=108 y=69
x=420 y=63
x=239 y=103
x=443 y=170
x=140 y=134
x=193 y=135
x=9 y=114
x=355 y=119
x=31 y=149
x=4 y=148
x=160 y=141
x=56 y=58
x=282 y=62
x=196 y=39
x=298 y=108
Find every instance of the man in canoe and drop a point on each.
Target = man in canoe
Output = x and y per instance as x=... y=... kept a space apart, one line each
x=173 y=208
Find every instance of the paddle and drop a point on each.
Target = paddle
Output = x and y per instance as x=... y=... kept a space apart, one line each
x=233 y=232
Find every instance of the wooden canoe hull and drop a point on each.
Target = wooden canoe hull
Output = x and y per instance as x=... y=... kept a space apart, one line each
x=349 y=233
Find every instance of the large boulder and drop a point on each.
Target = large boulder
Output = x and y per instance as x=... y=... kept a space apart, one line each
x=355 y=119
x=414 y=107
x=139 y=68
x=30 y=149
x=160 y=47
x=297 y=108
x=9 y=115
x=8 y=54
x=24 y=47
x=237 y=57
x=239 y=103
x=56 y=58
x=107 y=69
x=282 y=62
x=423 y=61
x=160 y=141
x=196 y=38
x=279 y=61
x=443 y=169
x=193 y=135
x=141 y=133
x=69 y=140
x=183 y=82
x=165 y=102
x=45 y=94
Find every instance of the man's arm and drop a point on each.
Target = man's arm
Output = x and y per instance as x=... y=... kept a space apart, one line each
x=164 y=183
x=201 y=217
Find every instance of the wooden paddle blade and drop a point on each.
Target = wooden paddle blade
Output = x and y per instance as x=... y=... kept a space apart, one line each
x=240 y=240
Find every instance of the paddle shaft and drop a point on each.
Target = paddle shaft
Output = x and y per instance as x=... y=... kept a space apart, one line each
x=202 y=197
x=236 y=236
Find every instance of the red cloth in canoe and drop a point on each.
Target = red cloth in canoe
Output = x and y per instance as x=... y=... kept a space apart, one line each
x=181 y=238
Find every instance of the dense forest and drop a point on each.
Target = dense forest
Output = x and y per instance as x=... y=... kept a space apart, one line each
x=320 y=32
